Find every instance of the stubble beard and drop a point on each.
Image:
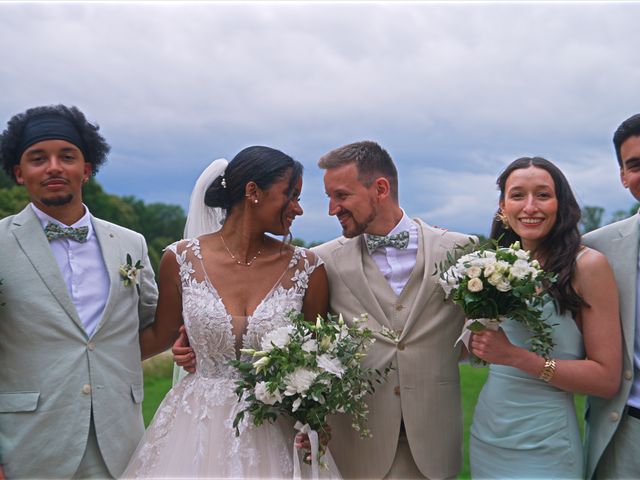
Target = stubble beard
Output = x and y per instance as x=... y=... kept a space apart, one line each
x=360 y=227
x=57 y=201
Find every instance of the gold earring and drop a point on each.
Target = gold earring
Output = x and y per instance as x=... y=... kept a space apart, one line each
x=502 y=218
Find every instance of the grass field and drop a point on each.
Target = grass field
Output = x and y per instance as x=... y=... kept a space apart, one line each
x=158 y=381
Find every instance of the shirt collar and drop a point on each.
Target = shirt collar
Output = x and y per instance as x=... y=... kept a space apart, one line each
x=85 y=220
x=404 y=224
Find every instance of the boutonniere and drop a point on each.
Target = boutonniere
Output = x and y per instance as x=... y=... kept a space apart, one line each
x=129 y=272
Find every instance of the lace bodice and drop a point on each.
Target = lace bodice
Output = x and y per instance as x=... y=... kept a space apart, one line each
x=207 y=321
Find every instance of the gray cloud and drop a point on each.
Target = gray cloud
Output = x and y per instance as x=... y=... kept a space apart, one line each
x=454 y=91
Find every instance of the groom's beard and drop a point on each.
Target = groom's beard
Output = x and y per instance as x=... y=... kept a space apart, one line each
x=57 y=201
x=360 y=227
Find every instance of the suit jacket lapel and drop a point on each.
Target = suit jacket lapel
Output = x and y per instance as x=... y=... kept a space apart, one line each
x=113 y=257
x=30 y=236
x=428 y=242
x=348 y=263
x=627 y=266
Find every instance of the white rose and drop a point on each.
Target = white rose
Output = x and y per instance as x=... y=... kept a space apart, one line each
x=474 y=272
x=519 y=270
x=329 y=364
x=504 y=285
x=299 y=381
x=522 y=254
x=262 y=393
x=475 y=285
x=495 y=278
x=489 y=270
x=276 y=338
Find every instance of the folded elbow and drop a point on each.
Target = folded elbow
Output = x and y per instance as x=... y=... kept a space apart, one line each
x=611 y=389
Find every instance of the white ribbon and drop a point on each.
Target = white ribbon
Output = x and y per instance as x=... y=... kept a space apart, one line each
x=465 y=336
x=315 y=448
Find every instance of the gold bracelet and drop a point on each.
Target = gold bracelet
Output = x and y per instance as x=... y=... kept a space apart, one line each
x=548 y=370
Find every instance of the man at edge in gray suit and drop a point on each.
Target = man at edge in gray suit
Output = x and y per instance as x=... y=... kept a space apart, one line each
x=70 y=363
x=613 y=426
x=384 y=265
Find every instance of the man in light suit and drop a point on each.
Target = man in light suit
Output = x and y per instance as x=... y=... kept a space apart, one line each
x=384 y=265
x=70 y=369
x=613 y=426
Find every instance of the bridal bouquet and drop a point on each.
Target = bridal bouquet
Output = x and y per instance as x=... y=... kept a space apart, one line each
x=490 y=284
x=307 y=371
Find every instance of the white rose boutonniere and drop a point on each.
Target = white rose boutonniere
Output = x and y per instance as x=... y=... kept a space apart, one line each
x=129 y=272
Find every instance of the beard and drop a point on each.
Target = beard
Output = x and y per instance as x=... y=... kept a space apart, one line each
x=360 y=227
x=57 y=201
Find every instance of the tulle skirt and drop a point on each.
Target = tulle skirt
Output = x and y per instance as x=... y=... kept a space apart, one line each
x=192 y=436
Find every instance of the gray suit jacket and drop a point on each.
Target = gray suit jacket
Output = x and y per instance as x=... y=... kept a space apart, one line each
x=424 y=388
x=52 y=375
x=619 y=243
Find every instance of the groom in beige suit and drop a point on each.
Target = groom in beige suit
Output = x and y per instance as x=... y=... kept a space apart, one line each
x=70 y=376
x=384 y=265
x=613 y=425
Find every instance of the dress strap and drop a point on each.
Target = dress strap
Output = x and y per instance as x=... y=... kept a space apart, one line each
x=581 y=252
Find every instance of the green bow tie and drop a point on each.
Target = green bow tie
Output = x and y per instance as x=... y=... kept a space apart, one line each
x=54 y=231
x=399 y=240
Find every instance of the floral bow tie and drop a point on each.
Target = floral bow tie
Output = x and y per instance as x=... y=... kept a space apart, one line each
x=54 y=231
x=399 y=240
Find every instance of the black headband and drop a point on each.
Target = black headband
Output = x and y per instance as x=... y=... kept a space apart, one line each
x=50 y=126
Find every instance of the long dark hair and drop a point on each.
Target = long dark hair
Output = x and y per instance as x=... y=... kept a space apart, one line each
x=262 y=165
x=559 y=248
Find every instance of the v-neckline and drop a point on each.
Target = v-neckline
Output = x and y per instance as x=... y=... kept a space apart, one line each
x=264 y=299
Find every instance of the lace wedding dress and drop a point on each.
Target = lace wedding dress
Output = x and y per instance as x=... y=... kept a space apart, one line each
x=191 y=435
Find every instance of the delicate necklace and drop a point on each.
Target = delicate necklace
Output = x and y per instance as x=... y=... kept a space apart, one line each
x=239 y=262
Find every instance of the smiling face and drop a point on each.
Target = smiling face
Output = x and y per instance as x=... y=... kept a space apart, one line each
x=530 y=205
x=280 y=205
x=53 y=172
x=630 y=171
x=352 y=202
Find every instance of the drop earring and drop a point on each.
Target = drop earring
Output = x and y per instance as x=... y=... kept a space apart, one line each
x=502 y=218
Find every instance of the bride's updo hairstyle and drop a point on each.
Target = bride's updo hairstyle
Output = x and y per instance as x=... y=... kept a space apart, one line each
x=560 y=247
x=262 y=165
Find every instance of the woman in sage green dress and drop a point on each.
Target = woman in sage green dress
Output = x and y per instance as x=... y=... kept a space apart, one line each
x=524 y=424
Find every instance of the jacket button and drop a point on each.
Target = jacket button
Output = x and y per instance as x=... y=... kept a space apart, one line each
x=396 y=390
x=86 y=389
x=628 y=375
x=399 y=307
x=400 y=346
x=91 y=346
x=614 y=416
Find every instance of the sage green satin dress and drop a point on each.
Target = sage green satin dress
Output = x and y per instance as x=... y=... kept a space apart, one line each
x=523 y=427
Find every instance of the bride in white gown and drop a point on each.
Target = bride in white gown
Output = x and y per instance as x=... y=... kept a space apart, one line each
x=229 y=288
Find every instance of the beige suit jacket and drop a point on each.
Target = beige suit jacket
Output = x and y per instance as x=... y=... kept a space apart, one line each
x=424 y=388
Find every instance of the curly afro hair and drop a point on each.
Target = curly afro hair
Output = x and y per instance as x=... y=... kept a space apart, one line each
x=96 y=146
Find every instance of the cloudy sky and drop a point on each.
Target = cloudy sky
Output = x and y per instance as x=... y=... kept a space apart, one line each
x=454 y=92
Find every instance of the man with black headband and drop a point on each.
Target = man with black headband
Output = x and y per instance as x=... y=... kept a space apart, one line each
x=70 y=376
